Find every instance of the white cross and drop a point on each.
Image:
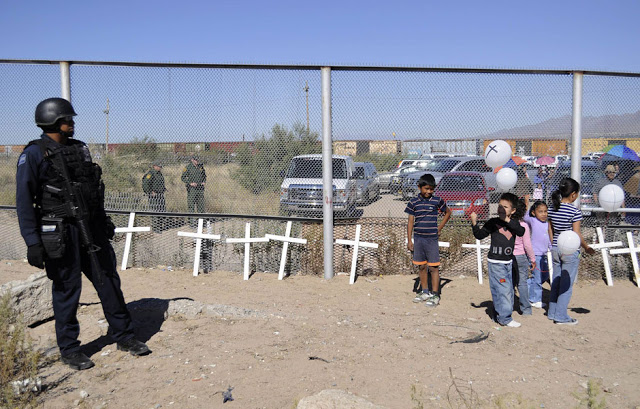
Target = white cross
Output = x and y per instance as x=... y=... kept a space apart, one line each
x=198 y=235
x=247 y=240
x=633 y=250
x=478 y=248
x=285 y=246
x=356 y=244
x=605 y=253
x=127 y=244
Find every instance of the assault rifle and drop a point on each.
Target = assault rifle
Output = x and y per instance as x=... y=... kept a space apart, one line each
x=75 y=207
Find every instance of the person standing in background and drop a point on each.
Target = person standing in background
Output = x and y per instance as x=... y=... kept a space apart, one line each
x=194 y=178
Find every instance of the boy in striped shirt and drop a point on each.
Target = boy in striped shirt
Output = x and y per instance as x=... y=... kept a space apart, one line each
x=422 y=237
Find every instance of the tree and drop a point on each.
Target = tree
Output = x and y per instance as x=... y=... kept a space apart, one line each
x=261 y=169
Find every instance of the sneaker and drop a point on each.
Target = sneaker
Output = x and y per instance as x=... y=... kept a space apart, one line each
x=77 y=361
x=134 y=347
x=433 y=301
x=421 y=297
x=572 y=321
x=513 y=324
x=536 y=304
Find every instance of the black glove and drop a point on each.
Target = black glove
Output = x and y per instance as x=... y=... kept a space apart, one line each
x=109 y=228
x=35 y=255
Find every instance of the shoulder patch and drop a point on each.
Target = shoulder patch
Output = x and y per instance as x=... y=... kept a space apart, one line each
x=184 y=170
x=148 y=176
x=22 y=159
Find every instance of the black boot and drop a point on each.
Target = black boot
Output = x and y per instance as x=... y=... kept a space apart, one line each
x=134 y=347
x=77 y=361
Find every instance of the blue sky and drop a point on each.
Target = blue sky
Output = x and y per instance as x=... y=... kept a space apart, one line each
x=206 y=105
x=594 y=35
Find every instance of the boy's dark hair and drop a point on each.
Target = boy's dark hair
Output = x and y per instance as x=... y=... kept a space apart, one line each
x=511 y=198
x=534 y=206
x=521 y=209
x=427 y=180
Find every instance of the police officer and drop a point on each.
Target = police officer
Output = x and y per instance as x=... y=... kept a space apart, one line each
x=153 y=185
x=194 y=178
x=46 y=170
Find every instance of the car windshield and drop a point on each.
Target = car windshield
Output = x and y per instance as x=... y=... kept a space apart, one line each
x=461 y=183
x=443 y=166
x=312 y=168
x=588 y=175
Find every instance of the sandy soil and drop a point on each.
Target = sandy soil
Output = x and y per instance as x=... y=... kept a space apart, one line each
x=275 y=342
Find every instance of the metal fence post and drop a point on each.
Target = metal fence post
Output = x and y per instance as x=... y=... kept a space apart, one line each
x=576 y=130
x=65 y=81
x=327 y=174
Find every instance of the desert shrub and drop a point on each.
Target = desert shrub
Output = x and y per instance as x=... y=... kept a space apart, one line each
x=18 y=359
x=262 y=166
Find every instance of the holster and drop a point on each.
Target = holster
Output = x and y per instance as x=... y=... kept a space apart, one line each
x=53 y=236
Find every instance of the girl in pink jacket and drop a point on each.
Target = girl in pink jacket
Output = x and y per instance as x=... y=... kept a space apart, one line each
x=523 y=258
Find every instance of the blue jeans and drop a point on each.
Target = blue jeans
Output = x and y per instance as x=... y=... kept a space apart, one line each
x=501 y=287
x=520 y=278
x=540 y=275
x=565 y=272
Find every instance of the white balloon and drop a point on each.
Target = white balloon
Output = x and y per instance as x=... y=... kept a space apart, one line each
x=506 y=178
x=497 y=153
x=568 y=242
x=611 y=197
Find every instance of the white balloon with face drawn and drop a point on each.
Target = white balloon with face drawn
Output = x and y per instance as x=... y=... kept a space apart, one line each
x=506 y=178
x=611 y=197
x=497 y=153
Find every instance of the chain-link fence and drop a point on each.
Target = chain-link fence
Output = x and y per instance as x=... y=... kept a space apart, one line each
x=238 y=144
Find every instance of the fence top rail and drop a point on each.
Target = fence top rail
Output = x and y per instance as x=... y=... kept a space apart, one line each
x=333 y=67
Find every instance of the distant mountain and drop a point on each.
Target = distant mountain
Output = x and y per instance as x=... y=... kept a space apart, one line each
x=624 y=125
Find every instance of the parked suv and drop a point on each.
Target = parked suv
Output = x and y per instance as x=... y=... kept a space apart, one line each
x=367 y=183
x=444 y=166
x=301 y=189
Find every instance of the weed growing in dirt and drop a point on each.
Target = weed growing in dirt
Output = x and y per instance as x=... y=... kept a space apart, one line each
x=18 y=359
x=590 y=399
x=416 y=398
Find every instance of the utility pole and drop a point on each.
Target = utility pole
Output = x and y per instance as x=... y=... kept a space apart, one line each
x=106 y=145
x=306 y=90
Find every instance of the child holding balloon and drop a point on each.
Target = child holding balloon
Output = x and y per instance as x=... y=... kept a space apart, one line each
x=564 y=216
x=503 y=231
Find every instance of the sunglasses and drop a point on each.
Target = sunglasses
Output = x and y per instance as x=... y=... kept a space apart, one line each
x=67 y=119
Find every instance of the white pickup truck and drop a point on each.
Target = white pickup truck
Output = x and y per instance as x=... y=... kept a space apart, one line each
x=301 y=189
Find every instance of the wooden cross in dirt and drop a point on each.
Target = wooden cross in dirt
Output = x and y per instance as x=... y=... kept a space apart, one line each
x=286 y=239
x=356 y=245
x=478 y=248
x=198 y=235
x=127 y=244
x=603 y=247
x=247 y=240
x=633 y=250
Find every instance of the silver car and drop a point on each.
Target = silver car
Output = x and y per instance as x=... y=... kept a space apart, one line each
x=367 y=183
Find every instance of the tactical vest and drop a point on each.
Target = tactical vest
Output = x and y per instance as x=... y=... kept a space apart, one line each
x=83 y=173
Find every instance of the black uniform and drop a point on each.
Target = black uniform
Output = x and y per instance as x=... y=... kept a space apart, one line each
x=65 y=257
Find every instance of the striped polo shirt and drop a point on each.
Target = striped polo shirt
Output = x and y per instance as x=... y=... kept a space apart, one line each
x=563 y=219
x=425 y=213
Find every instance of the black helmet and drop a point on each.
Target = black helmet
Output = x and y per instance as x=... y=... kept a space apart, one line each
x=52 y=109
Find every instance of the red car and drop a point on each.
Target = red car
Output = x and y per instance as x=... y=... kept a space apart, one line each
x=464 y=193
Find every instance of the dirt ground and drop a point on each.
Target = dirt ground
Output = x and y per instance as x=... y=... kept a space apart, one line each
x=275 y=342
